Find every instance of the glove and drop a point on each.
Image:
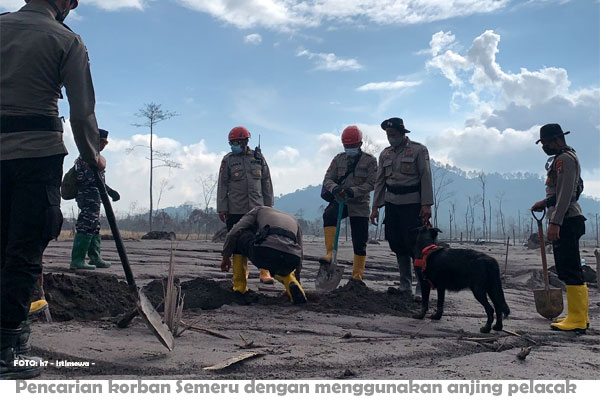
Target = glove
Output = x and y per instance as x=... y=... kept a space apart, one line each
x=114 y=195
x=337 y=191
x=349 y=193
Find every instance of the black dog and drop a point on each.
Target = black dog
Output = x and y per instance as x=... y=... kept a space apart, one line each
x=455 y=270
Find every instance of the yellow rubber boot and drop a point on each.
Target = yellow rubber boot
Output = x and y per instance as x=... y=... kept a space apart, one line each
x=246 y=267
x=358 y=267
x=293 y=288
x=587 y=317
x=577 y=310
x=240 y=266
x=265 y=277
x=329 y=233
x=37 y=307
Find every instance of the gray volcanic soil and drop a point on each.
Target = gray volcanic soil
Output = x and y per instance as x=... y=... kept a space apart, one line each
x=356 y=331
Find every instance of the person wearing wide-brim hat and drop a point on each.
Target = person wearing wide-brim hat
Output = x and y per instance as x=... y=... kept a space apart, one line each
x=566 y=223
x=404 y=187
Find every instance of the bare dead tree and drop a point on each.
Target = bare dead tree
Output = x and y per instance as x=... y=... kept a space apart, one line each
x=482 y=182
x=369 y=146
x=500 y=198
x=152 y=114
x=208 y=184
x=164 y=185
x=441 y=181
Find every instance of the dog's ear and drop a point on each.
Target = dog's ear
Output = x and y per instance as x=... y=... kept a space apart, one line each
x=434 y=232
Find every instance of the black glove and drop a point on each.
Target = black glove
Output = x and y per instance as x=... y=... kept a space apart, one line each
x=337 y=191
x=349 y=193
x=114 y=195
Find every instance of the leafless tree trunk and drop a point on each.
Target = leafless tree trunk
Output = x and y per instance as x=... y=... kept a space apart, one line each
x=482 y=182
x=500 y=198
x=441 y=181
x=152 y=114
x=208 y=185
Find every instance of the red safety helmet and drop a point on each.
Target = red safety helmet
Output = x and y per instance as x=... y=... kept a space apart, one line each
x=351 y=135
x=239 y=133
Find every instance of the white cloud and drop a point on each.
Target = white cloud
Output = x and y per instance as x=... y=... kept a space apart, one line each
x=288 y=154
x=330 y=62
x=113 y=5
x=507 y=110
x=395 y=85
x=253 y=38
x=286 y=15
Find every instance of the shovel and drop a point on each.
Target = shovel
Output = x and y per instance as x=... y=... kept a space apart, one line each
x=330 y=274
x=548 y=302
x=144 y=307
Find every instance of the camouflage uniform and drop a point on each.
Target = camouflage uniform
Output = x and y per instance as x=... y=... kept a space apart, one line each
x=88 y=199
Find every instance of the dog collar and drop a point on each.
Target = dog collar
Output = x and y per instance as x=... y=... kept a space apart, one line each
x=422 y=261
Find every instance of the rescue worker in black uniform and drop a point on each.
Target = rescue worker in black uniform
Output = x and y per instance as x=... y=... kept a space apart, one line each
x=566 y=223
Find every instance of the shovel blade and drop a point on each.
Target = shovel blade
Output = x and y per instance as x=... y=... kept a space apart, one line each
x=548 y=303
x=328 y=277
x=154 y=321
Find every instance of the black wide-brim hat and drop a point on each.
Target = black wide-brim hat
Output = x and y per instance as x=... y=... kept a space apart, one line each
x=395 y=123
x=550 y=131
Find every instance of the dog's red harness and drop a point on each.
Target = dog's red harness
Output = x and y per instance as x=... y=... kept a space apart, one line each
x=422 y=261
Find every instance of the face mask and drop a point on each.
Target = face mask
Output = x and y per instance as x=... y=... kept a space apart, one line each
x=352 y=152
x=548 y=150
x=236 y=148
x=396 y=140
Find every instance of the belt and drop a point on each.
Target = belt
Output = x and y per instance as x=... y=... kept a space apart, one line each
x=25 y=123
x=551 y=201
x=399 y=189
x=262 y=234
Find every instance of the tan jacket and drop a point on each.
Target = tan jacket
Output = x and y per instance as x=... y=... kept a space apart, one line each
x=361 y=181
x=244 y=183
x=39 y=55
x=258 y=218
x=403 y=166
x=561 y=182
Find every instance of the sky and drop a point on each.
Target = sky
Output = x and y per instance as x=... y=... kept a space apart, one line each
x=473 y=80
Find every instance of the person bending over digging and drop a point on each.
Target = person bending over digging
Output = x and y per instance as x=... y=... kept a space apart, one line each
x=272 y=240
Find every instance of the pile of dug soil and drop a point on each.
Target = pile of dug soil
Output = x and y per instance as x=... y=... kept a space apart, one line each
x=355 y=297
x=207 y=294
x=89 y=297
x=97 y=296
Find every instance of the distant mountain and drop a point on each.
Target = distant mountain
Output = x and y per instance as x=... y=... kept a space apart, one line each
x=516 y=192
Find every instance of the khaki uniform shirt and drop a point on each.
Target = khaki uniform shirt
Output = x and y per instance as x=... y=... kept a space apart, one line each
x=258 y=218
x=38 y=56
x=244 y=183
x=562 y=180
x=405 y=165
x=361 y=181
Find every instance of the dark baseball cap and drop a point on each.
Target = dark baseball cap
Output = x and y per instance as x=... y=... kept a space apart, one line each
x=550 y=131
x=103 y=133
x=395 y=123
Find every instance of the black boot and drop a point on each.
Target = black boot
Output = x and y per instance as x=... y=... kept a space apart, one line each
x=23 y=346
x=28 y=367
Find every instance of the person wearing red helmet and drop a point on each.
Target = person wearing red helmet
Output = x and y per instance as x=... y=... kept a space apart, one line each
x=244 y=183
x=40 y=55
x=404 y=187
x=351 y=178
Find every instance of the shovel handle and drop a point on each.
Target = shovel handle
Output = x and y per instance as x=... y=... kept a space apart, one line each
x=110 y=215
x=542 y=247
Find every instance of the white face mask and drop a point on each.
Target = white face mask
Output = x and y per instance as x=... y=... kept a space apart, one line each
x=396 y=140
